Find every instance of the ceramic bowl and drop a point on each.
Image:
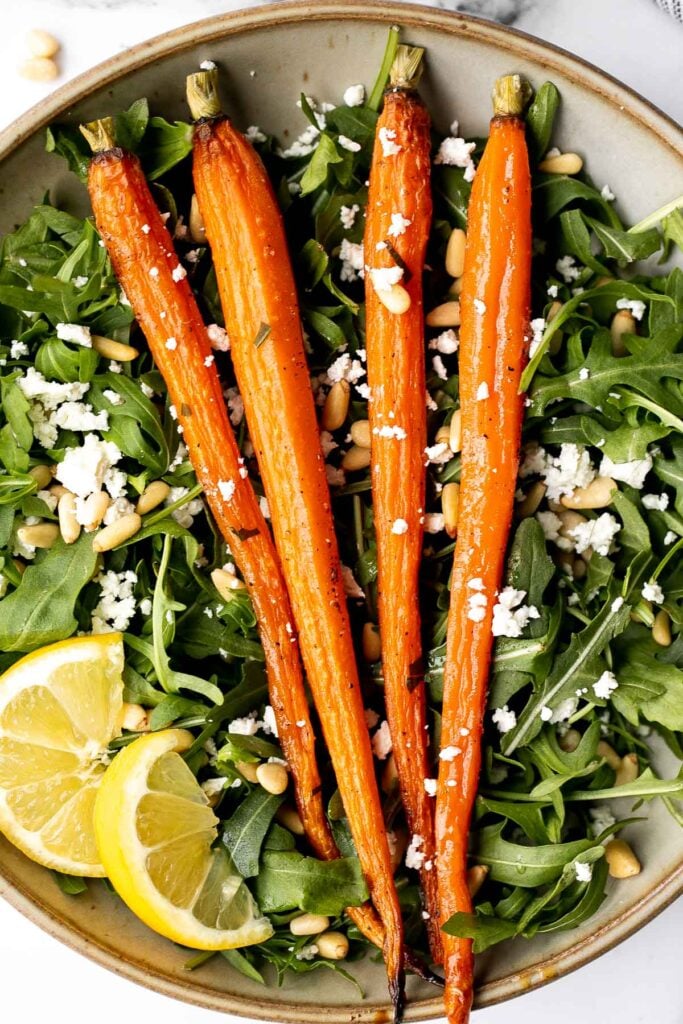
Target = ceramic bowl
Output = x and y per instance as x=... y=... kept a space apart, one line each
x=268 y=55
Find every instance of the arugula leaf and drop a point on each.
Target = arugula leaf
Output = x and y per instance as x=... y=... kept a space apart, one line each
x=324 y=155
x=244 y=832
x=524 y=866
x=290 y=881
x=540 y=118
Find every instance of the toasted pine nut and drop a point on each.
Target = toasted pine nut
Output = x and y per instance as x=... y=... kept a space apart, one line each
x=445 y=315
x=69 y=527
x=332 y=945
x=569 y=741
x=597 y=494
x=443 y=435
x=123 y=529
x=564 y=560
x=289 y=817
x=531 y=500
x=627 y=770
x=371 y=643
x=356 y=458
x=196 y=222
x=360 y=433
x=273 y=777
x=41 y=475
x=213 y=790
x=580 y=566
x=455 y=253
x=602 y=281
x=336 y=406
x=555 y=308
x=308 y=924
x=59 y=490
x=111 y=349
x=247 y=769
x=565 y=163
x=569 y=519
x=450 y=502
x=610 y=755
x=42 y=535
x=389 y=780
x=623 y=322
x=39 y=69
x=455 y=431
x=476 y=876
x=94 y=508
x=661 y=630
x=456 y=287
x=226 y=584
x=396 y=298
x=153 y=495
x=622 y=861
x=135 y=718
x=41 y=43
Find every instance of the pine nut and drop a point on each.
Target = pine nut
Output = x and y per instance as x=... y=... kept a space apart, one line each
x=19 y=566
x=627 y=770
x=661 y=629
x=42 y=535
x=532 y=499
x=455 y=253
x=69 y=527
x=565 y=163
x=41 y=43
x=213 y=790
x=564 y=560
x=196 y=222
x=555 y=308
x=355 y=459
x=396 y=298
x=580 y=567
x=94 y=508
x=455 y=431
x=445 y=315
x=58 y=490
x=153 y=495
x=371 y=643
x=570 y=520
x=443 y=435
x=623 y=322
x=289 y=817
x=39 y=69
x=116 y=350
x=598 y=494
x=123 y=529
x=135 y=718
x=41 y=475
x=389 y=780
x=456 y=288
x=273 y=777
x=308 y=924
x=332 y=945
x=610 y=755
x=476 y=876
x=621 y=859
x=602 y=281
x=336 y=406
x=247 y=769
x=226 y=584
x=450 y=502
x=569 y=741
x=360 y=433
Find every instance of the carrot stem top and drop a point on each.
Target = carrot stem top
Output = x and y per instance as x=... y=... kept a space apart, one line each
x=202 y=94
x=100 y=135
x=407 y=67
x=511 y=93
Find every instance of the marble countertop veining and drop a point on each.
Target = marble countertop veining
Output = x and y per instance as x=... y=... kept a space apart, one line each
x=640 y=982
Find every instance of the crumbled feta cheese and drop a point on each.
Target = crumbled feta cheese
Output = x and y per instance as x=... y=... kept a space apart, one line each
x=305 y=143
x=479 y=306
x=660 y=502
x=538 y=326
x=178 y=273
x=438 y=453
x=18 y=349
x=635 y=307
x=670 y=537
x=545 y=714
x=118 y=508
x=595 y=533
x=535 y=461
x=482 y=391
x=567 y=269
x=113 y=397
x=381 y=742
x=335 y=476
x=399 y=223
x=564 y=710
x=447 y=342
x=414 y=855
x=399 y=526
x=476 y=583
x=235 y=406
x=384 y=278
x=551 y=524
x=227 y=489
x=254 y=134
x=430 y=787
x=583 y=872
x=348 y=144
x=449 y=753
x=345 y=368
x=552 y=291
x=605 y=686
x=607 y=193
x=354 y=96
x=476 y=606
x=353 y=260
x=434 y=522
x=269 y=723
x=504 y=719
x=564 y=473
x=184 y=515
x=264 y=506
x=347 y=216
x=602 y=819
x=154 y=272
x=510 y=616
x=83 y=470
x=116 y=606
x=327 y=442
x=351 y=586
x=653 y=592
x=79 y=416
x=584 y=373
x=75 y=332
x=218 y=338
x=171 y=344
x=246 y=726
x=209 y=360
x=455 y=152
x=386 y=138
x=390 y=430
x=632 y=473
x=439 y=368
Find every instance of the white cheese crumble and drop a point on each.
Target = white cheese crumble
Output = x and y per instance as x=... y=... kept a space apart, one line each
x=399 y=223
x=18 y=349
x=607 y=194
x=269 y=723
x=605 y=686
x=570 y=469
x=247 y=726
x=79 y=416
x=438 y=453
x=209 y=360
x=381 y=742
x=482 y=391
x=171 y=344
x=510 y=616
x=545 y=714
x=345 y=368
x=670 y=537
x=455 y=152
x=399 y=526
x=449 y=753
x=476 y=606
x=584 y=373
x=347 y=216
x=254 y=134
x=390 y=430
x=567 y=269
x=353 y=260
x=113 y=397
x=504 y=719
x=583 y=872
x=564 y=710
x=414 y=855
x=75 y=332
x=354 y=95
x=264 y=506
x=327 y=442
x=386 y=138
x=184 y=515
x=346 y=143
x=430 y=787
x=178 y=273
x=659 y=502
x=227 y=489
x=439 y=368
x=83 y=470
x=235 y=406
x=218 y=338
x=446 y=343
x=595 y=533
x=335 y=476
x=116 y=606
x=434 y=522
x=634 y=306
x=384 y=278
x=552 y=291
x=653 y=592
x=601 y=819
x=479 y=306
x=632 y=473
x=538 y=326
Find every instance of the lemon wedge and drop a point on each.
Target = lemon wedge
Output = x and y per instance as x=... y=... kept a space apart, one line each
x=155 y=832
x=59 y=709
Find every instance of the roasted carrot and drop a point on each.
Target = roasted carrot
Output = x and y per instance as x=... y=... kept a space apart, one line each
x=145 y=262
x=494 y=306
x=397 y=226
x=256 y=285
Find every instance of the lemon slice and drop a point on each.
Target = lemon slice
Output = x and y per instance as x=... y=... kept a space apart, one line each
x=59 y=708
x=155 y=832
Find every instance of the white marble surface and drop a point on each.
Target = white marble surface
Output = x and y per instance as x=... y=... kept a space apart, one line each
x=641 y=981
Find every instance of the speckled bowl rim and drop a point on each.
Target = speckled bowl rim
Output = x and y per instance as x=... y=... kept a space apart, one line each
x=629 y=103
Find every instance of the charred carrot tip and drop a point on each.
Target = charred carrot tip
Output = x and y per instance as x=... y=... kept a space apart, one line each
x=397 y=995
x=407 y=67
x=100 y=135
x=202 y=94
x=417 y=965
x=511 y=93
